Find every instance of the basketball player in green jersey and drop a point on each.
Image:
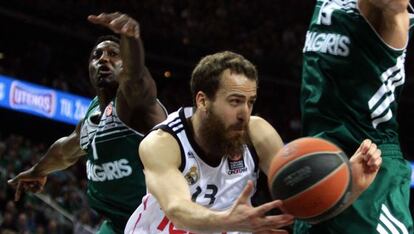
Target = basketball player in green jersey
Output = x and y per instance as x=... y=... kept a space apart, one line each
x=353 y=71
x=125 y=108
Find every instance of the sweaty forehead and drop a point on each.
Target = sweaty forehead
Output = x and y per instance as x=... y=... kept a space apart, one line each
x=107 y=44
x=233 y=83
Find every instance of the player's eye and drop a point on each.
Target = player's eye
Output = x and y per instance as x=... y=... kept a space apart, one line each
x=235 y=102
x=97 y=54
x=113 y=53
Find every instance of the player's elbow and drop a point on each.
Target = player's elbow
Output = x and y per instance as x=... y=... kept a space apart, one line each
x=57 y=150
x=64 y=152
x=66 y=160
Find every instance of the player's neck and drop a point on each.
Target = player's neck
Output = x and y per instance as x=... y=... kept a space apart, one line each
x=104 y=98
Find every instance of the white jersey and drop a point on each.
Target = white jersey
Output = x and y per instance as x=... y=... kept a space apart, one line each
x=216 y=188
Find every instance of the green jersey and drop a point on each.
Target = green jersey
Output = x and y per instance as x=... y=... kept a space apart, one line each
x=351 y=79
x=351 y=84
x=116 y=182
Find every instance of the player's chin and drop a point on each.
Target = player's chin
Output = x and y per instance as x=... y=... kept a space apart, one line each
x=105 y=82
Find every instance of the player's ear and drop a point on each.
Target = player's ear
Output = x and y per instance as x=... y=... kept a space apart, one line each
x=201 y=100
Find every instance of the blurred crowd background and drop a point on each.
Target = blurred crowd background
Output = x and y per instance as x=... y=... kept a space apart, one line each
x=48 y=42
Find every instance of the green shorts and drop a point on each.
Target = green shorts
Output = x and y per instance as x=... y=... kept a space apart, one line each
x=382 y=208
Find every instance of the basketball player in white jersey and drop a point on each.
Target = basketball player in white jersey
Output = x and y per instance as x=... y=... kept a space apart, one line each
x=201 y=164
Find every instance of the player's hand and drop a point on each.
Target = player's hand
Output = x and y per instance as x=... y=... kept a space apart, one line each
x=27 y=181
x=365 y=164
x=242 y=216
x=118 y=23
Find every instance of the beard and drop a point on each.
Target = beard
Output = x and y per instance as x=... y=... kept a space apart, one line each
x=218 y=139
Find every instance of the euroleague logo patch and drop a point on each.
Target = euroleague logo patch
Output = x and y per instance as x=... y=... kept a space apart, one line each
x=236 y=166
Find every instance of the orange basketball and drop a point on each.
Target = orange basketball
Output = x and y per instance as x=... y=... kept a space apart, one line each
x=312 y=177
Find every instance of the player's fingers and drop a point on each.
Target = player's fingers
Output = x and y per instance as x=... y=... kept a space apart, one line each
x=34 y=188
x=374 y=157
x=18 y=191
x=263 y=209
x=283 y=209
x=131 y=29
x=359 y=155
x=12 y=182
x=113 y=15
x=366 y=144
x=360 y=148
x=99 y=19
x=92 y=18
x=277 y=221
x=103 y=18
x=375 y=165
x=371 y=152
x=118 y=23
x=25 y=186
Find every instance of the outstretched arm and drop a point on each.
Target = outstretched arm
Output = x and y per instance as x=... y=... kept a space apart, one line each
x=62 y=154
x=160 y=155
x=137 y=103
x=389 y=19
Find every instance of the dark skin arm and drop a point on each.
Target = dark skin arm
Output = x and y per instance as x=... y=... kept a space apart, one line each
x=389 y=19
x=136 y=101
x=62 y=154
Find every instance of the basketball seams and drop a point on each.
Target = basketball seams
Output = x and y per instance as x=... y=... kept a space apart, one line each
x=312 y=176
x=327 y=177
x=307 y=145
x=287 y=163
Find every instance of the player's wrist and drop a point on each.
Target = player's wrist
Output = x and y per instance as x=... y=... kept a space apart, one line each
x=222 y=219
x=356 y=189
x=37 y=171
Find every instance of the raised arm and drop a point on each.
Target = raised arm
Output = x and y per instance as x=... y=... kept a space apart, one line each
x=62 y=154
x=160 y=155
x=137 y=103
x=389 y=19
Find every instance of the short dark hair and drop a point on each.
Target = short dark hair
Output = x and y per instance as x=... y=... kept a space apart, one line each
x=100 y=39
x=207 y=74
x=108 y=37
